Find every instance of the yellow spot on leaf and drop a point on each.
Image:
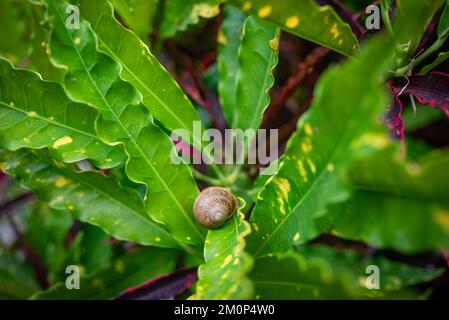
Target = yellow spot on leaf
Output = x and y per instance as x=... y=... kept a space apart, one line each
x=335 y=32
x=222 y=38
x=77 y=40
x=292 y=22
x=61 y=182
x=330 y=167
x=302 y=170
x=311 y=166
x=32 y=113
x=296 y=237
x=265 y=11
x=308 y=129
x=306 y=146
x=119 y=266
x=205 y=10
x=62 y=142
x=157 y=239
x=226 y=261
x=442 y=218
x=247 y=5
x=274 y=44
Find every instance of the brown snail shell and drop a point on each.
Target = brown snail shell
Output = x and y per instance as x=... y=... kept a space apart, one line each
x=214 y=206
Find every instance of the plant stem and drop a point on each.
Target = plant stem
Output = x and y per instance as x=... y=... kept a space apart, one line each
x=211 y=181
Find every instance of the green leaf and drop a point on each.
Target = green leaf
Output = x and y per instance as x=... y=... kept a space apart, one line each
x=321 y=149
x=229 y=40
x=442 y=56
x=16 y=281
x=223 y=276
x=93 y=77
x=258 y=56
x=305 y=19
x=46 y=232
x=124 y=272
x=412 y=19
x=394 y=275
x=395 y=204
x=37 y=114
x=180 y=14
x=95 y=251
x=91 y=197
x=443 y=25
x=320 y=272
x=13 y=45
x=138 y=15
x=288 y=276
x=160 y=93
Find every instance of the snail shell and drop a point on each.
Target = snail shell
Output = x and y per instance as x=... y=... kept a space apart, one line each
x=214 y=206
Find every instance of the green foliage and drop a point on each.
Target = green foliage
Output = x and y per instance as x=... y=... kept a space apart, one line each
x=122 y=273
x=320 y=149
x=300 y=17
x=322 y=273
x=397 y=205
x=89 y=196
x=258 y=56
x=43 y=116
x=223 y=276
x=138 y=14
x=86 y=117
x=180 y=14
x=123 y=120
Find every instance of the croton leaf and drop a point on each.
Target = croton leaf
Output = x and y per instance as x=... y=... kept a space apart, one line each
x=137 y=14
x=289 y=276
x=94 y=78
x=180 y=14
x=223 y=276
x=16 y=280
x=13 y=45
x=229 y=40
x=37 y=114
x=163 y=287
x=160 y=93
x=91 y=197
x=394 y=119
x=300 y=17
x=319 y=272
x=395 y=204
x=443 y=25
x=321 y=149
x=431 y=89
x=258 y=56
x=124 y=272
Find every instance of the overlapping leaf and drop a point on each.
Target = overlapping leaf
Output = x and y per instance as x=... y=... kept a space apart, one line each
x=124 y=272
x=258 y=56
x=94 y=78
x=180 y=14
x=321 y=149
x=137 y=14
x=89 y=196
x=396 y=205
x=160 y=93
x=16 y=280
x=37 y=114
x=301 y=18
x=323 y=273
x=229 y=40
x=223 y=276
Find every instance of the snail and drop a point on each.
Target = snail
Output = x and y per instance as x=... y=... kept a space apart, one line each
x=214 y=206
